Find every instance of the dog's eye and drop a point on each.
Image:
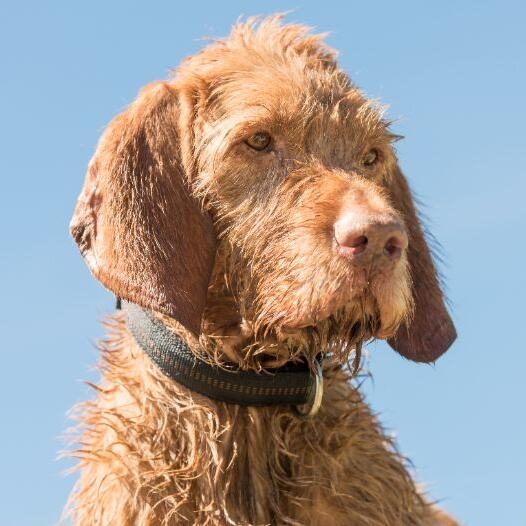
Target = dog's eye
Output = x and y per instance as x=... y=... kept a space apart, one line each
x=371 y=157
x=259 y=141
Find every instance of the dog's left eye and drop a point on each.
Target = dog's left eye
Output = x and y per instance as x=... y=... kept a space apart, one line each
x=371 y=157
x=259 y=141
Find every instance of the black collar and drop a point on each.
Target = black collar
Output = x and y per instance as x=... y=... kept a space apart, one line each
x=292 y=384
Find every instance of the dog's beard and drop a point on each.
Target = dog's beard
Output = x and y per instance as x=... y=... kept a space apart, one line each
x=338 y=337
x=359 y=314
x=352 y=310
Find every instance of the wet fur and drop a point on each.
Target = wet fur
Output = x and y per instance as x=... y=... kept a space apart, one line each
x=154 y=453
x=151 y=452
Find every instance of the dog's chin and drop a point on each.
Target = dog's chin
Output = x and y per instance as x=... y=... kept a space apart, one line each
x=373 y=313
x=354 y=309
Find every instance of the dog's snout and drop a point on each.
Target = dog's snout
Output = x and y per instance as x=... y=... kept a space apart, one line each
x=376 y=238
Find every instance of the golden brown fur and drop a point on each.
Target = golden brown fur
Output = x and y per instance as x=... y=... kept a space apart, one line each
x=234 y=249
x=153 y=453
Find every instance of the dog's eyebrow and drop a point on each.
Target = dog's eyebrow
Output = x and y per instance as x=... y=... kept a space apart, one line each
x=235 y=128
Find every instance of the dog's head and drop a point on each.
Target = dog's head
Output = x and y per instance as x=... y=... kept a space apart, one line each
x=261 y=156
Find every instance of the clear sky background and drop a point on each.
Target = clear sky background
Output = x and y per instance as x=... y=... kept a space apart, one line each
x=453 y=74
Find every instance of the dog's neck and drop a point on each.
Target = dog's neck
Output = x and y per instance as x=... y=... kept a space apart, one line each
x=230 y=339
x=293 y=384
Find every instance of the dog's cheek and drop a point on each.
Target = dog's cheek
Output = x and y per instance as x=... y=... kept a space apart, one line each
x=299 y=280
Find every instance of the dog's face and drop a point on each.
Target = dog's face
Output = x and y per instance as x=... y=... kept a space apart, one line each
x=295 y=171
x=263 y=157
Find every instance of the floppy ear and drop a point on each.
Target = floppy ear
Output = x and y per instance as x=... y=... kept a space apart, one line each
x=140 y=230
x=430 y=332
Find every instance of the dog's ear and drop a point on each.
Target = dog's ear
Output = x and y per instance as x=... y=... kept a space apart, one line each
x=140 y=230
x=430 y=332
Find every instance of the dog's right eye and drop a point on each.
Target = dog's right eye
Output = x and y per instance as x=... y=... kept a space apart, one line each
x=259 y=141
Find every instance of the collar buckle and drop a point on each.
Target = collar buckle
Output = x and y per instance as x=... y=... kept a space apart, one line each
x=312 y=406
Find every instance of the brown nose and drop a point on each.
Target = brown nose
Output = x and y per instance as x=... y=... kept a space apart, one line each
x=382 y=238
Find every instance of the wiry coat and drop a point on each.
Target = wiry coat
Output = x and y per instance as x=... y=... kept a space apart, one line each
x=234 y=249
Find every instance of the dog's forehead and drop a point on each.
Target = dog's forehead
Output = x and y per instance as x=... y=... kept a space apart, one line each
x=296 y=100
x=261 y=81
x=269 y=82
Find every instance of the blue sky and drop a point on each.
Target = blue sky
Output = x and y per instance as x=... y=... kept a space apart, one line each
x=454 y=76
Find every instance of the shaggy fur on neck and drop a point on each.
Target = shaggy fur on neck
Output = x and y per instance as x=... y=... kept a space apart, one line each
x=153 y=453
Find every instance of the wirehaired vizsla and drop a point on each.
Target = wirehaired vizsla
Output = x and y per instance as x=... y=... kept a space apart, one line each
x=252 y=217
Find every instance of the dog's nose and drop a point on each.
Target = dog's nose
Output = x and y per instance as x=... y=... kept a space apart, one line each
x=375 y=238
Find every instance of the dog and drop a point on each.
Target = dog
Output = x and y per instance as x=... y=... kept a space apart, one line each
x=251 y=217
